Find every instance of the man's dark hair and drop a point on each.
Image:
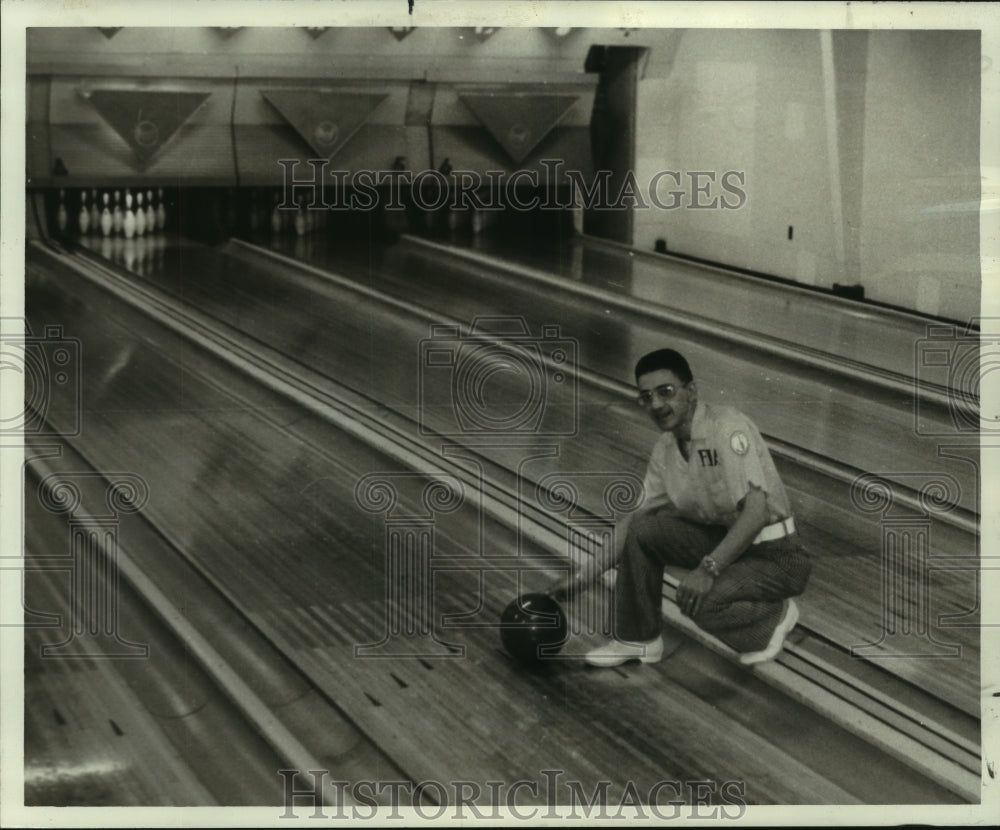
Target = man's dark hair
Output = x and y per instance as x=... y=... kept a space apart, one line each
x=664 y=359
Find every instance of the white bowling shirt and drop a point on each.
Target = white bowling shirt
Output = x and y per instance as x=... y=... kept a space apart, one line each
x=727 y=458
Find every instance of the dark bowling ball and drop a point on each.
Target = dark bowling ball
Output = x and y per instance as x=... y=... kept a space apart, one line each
x=533 y=628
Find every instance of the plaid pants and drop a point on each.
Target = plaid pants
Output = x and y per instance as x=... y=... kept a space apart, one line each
x=744 y=604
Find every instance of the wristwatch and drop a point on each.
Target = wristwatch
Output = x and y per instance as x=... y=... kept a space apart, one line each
x=710 y=565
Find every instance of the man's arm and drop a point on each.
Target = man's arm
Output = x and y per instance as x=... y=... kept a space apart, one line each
x=752 y=519
x=585 y=577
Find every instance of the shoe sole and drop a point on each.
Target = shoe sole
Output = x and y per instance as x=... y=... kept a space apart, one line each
x=785 y=627
x=614 y=663
x=611 y=662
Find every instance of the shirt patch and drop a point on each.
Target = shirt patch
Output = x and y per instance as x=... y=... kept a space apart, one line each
x=709 y=458
x=739 y=443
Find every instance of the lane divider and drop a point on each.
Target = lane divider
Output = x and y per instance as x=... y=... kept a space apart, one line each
x=254 y=710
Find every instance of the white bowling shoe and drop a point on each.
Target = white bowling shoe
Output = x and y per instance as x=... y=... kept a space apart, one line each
x=617 y=652
x=777 y=642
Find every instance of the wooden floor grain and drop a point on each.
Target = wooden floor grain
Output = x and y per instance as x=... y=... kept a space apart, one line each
x=274 y=522
x=306 y=318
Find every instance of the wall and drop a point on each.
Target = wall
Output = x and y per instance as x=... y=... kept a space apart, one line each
x=612 y=134
x=919 y=241
x=443 y=53
x=865 y=143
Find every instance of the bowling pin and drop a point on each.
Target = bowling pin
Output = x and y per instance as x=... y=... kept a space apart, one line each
x=300 y=220
x=160 y=248
x=62 y=217
x=161 y=211
x=106 y=220
x=483 y=219
x=141 y=252
x=150 y=212
x=117 y=217
x=95 y=211
x=84 y=217
x=231 y=217
x=310 y=220
x=254 y=212
x=140 y=215
x=128 y=222
x=458 y=219
x=129 y=241
x=276 y=217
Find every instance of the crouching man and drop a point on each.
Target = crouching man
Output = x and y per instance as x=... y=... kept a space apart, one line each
x=714 y=504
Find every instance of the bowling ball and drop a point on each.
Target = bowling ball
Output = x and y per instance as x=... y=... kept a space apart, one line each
x=533 y=628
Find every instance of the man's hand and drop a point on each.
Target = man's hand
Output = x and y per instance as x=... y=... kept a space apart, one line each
x=592 y=568
x=559 y=589
x=692 y=589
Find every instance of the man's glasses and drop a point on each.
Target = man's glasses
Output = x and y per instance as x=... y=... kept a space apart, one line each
x=666 y=392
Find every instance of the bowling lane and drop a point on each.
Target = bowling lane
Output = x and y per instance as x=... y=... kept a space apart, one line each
x=862 y=426
x=151 y=730
x=262 y=497
x=374 y=349
x=867 y=334
x=310 y=728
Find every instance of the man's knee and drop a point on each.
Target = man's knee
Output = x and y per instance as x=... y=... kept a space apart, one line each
x=708 y=609
x=644 y=532
x=802 y=578
x=797 y=574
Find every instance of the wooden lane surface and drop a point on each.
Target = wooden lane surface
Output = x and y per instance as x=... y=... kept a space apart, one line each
x=89 y=741
x=272 y=521
x=147 y=730
x=844 y=549
x=864 y=333
x=676 y=715
x=824 y=414
x=600 y=445
x=844 y=601
x=233 y=644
